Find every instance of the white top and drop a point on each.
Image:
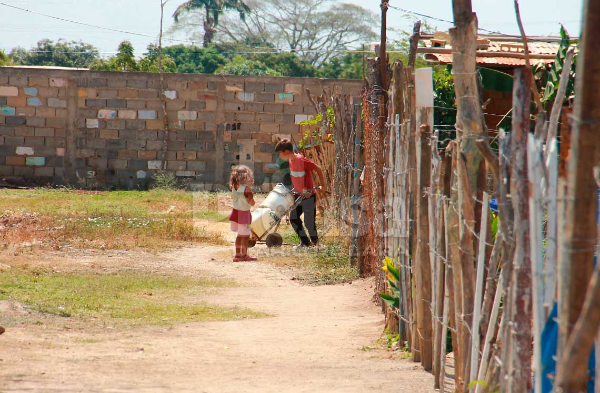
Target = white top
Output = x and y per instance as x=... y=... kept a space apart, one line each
x=239 y=200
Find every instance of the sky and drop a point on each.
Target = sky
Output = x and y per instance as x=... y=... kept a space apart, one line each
x=25 y=29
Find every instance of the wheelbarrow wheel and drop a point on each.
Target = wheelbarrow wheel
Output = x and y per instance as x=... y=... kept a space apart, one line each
x=274 y=240
x=251 y=242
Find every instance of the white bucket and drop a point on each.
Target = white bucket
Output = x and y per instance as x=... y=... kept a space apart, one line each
x=262 y=219
x=279 y=200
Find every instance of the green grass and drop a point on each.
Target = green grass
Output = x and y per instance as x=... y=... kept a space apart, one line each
x=131 y=298
x=113 y=220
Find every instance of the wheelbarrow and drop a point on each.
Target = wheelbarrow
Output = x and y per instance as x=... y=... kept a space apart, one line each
x=268 y=216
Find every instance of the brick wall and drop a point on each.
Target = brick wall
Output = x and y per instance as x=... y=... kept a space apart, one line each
x=106 y=129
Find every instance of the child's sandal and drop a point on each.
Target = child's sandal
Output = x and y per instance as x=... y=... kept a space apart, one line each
x=239 y=259
x=250 y=258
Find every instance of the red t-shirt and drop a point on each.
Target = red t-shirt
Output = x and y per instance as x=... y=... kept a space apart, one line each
x=300 y=168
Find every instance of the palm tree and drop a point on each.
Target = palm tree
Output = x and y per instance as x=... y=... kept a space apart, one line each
x=213 y=9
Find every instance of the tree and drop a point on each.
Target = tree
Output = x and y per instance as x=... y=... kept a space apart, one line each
x=124 y=60
x=213 y=9
x=149 y=63
x=244 y=66
x=4 y=59
x=59 y=54
x=315 y=29
x=347 y=66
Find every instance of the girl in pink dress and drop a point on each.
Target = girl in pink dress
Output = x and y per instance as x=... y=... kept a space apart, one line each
x=241 y=181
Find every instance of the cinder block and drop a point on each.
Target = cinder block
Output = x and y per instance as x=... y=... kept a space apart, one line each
x=36 y=122
x=44 y=131
x=177 y=84
x=42 y=111
x=137 y=164
x=147 y=115
x=56 y=122
x=155 y=124
x=206 y=116
x=56 y=103
x=9 y=91
x=146 y=135
x=81 y=93
x=267 y=148
x=14 y=161
x=98 y=163
x=117 y=163
x=107 y=114
x=234 y=106
x=141 y=174
x=136 y=104
x=58 y=82
x=127 y=114
x=206 y=97
x=18 y=80
x=310 y=110
x=25 y=111
x=48 y=92
x=109 y=134
x=115 y=124
x=254 y=86
x=98 y=82
x=108 y=93
x=147 y=94
x=128 y=134
x=211 y=105
x=265 y=97
x=128 y=93
x=16 y=101
x=35 y=161
x=60 y=151
x=155 y=164
x=38 y=81
x=265 y=117
x=54 y=142
x=270 y=128
x=116 y=103
x=7 y=111
x=61 y=112
x=285 y=98
x=34 y=141
x=186 y=155
x=176 y=165
x=187 y=115
x=3 y=101
x=195 y=146
x=24 y=131
x=30 y=91
x=274 y=108
x=117 y=82
x=87 y=113
x=289 y=128
x=95 y=103
x=285 y=118
x=186 y=135
x=249 y=127
x=176 y=145
x=23 y=171
x=234 y=86
x=6 y=170
x=155 y=145
x=135 y=124
x=185 y=173
x=175 y=105
x=129 y=154
x=196 y=105
x=212 y=85
x=194 y=125
x=116 y=144
x=293 y=109
x=147 y=155
x=43 y=172
x=24 y=151
x=170 y=94
x=15 y=121
x=91 y=123
x=244 y=117
x=262 y=138
x=84 y=153
x=154 y=104
x=274 y=87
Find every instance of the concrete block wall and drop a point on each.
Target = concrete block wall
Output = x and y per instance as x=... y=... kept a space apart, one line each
x=107 y=129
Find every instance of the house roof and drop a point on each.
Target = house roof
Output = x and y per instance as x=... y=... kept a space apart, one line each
x=492 y=50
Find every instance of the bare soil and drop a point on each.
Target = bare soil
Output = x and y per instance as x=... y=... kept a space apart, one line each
x=319 y=338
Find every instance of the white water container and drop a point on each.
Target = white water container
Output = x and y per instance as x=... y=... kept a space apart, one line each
x=279 y=200
x=262 y=219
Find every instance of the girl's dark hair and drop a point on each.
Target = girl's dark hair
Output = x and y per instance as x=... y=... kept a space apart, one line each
x=284 y=145
x=241 y=175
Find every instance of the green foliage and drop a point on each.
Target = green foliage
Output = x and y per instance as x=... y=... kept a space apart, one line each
x=244 y=66
x=495 y=223
x=4 y=59
x=149 y=63
x=164 y=181
x=347 y=66
x=61 y=53
x=393 y=277
x=287 y=64
x=444 y=111
x=552 y=73
x=194 y=59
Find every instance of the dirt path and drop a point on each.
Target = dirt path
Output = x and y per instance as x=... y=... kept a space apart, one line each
x=313 y=343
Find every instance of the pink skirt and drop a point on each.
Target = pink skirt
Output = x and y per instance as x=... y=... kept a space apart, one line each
x=241 y=216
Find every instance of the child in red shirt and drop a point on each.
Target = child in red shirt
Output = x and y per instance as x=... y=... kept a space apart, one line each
x=300 y=173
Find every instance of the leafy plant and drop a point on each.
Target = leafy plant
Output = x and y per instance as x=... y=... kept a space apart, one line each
x=554 y=70
x=164 y=180
x=393 y=277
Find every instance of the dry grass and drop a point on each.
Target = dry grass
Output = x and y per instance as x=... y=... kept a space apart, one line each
x=109 y=220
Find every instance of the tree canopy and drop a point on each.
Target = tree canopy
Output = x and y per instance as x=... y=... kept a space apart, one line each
x=125 y=60
x=61 y=53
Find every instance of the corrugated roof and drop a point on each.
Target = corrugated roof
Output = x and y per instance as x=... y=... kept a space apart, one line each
x=490 y=52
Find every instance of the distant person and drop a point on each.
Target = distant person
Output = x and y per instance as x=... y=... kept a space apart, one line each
x=300 y=172
x=241 y=181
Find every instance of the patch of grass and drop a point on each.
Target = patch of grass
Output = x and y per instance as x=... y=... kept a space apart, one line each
x=131 y=298
x=113 y=220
